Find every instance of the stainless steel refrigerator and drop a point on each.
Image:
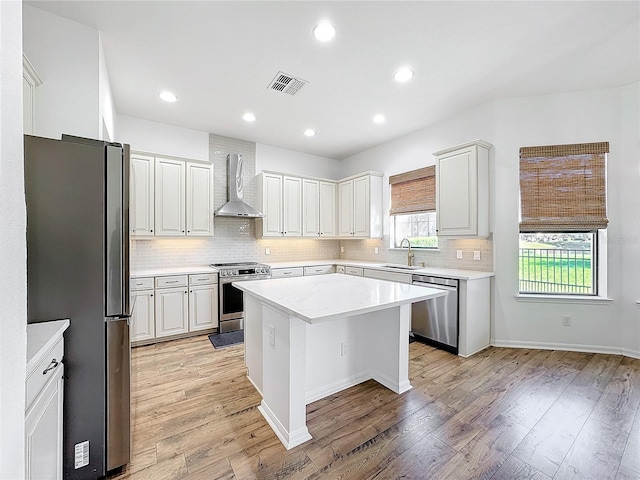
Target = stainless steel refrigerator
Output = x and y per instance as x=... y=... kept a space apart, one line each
x=77 y=194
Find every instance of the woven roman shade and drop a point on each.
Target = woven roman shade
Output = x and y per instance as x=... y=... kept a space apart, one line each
x=414 y=191
x=563 y=188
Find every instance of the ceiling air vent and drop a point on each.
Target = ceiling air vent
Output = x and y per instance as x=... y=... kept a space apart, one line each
x=285 y=83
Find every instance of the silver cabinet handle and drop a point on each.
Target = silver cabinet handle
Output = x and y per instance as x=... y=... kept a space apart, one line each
x=54 y=363
x=172 y=281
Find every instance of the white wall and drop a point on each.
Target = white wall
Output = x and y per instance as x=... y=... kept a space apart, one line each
x=107 y=109
x=13 y=274
x=590 y=116
x=157 y=137
x=66 y=56
x=288 y=161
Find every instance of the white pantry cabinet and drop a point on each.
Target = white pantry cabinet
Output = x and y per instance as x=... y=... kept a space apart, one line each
x=170 y=196
x=318 y=208
x=280 y=199
x=462 y=190
x=360 y=206
x=141 y=206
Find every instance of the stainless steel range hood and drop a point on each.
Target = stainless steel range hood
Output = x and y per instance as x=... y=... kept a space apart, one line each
x=236 y=207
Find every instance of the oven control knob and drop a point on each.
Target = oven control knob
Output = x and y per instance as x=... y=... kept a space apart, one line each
x=223 y=273
x=235 y=272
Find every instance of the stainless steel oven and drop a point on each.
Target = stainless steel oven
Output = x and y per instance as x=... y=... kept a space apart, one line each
x=231 y=308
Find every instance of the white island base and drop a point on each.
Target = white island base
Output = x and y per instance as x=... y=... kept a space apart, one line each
x=298 y=351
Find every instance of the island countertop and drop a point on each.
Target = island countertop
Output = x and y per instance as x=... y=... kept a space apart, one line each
x=325 y=297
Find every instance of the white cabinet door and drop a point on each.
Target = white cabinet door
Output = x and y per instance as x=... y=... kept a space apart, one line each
x=462 y=190
x=143 y=316
x=172 y=311
x=141 y=203
x=327 y=209
x=272 y=205
x=361 y=207
x=345 y=209
x=169 y=201
x=310 y=208
x=199 y=199
x=43 y=432
x=292 y=207
x=203 y=307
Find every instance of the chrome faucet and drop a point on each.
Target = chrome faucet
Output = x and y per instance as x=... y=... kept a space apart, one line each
x=409 y=255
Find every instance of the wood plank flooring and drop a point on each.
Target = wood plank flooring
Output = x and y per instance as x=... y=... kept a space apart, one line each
x=502 y=414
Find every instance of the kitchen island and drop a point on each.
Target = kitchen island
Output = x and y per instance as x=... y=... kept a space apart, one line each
x=309 y=337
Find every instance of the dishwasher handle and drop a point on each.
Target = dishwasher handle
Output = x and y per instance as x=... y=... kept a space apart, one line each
x=433 y=281
x=436 y=286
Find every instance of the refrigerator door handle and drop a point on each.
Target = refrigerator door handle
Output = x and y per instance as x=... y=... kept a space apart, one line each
x=117 y=232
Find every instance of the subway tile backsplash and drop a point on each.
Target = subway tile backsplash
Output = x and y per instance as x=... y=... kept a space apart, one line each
x=235 y=240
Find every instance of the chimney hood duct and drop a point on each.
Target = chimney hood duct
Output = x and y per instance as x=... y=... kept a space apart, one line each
x=235 y=207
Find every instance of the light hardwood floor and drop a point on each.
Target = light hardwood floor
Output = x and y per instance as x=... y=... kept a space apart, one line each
x=502 y=414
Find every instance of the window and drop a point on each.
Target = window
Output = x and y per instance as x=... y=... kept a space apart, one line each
x=413 y=208
x=562 y=208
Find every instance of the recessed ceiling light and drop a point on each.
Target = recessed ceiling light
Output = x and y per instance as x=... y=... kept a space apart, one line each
x=249 y=117
x=324 y=31
x=403 y=75
x=379 y=118
x=167 y=96
x=309 y=132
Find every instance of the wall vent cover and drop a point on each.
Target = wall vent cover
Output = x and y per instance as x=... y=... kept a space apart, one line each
x=285 y=83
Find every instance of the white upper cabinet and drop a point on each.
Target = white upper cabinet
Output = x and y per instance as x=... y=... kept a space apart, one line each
x=141 y=196
x=462 y=190
x=360 y=206
x=318 y=208
x=280 y=199
x=308 y=207
x=199 y=199
x=292 y=207
x=170 y=197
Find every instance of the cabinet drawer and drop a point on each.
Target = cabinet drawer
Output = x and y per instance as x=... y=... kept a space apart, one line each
x=203 y=279
x=172 y=281
x=145 y=283
x=319 y=270
x=353 y=271
x=45 y=370
x=287 y=272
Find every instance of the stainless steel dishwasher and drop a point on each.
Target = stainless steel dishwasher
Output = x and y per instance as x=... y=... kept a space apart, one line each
x=435 y=321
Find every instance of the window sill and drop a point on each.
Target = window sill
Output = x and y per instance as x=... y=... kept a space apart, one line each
x=414 y=249
x=584 y=299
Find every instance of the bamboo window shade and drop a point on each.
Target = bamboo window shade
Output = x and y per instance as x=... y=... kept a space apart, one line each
x=414 y=191
x=563 y=188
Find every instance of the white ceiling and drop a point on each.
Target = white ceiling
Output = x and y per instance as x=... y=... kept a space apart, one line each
x=219 y=57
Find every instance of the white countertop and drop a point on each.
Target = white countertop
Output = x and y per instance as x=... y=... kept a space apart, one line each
x=163 y=272
x=438 y=272
x=40 y=338
x=325 y=297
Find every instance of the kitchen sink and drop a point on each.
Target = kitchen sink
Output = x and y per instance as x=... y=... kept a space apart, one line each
x=401 y=267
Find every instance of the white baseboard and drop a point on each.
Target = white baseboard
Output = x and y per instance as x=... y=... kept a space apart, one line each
x=335 y=387
x=288 y=439
x=571 y=347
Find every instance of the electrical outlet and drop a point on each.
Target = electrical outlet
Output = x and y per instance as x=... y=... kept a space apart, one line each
x=476 y=254
x=272 y=335
x=566 y=320
x=375 y=250
x=341 y=249
x=267 y=251
x=458 y=254
x=344 y=349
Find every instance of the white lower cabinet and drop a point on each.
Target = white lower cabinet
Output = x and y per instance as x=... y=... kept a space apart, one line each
x=43 y=431
x=172 y=311
x=44 y=400
x=176 y=305
x=203 y=307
